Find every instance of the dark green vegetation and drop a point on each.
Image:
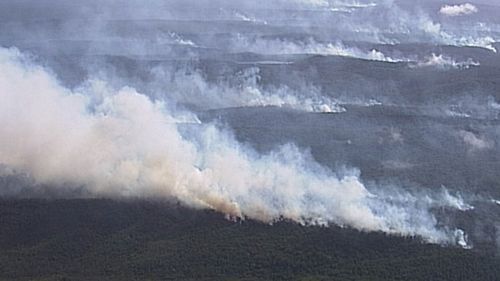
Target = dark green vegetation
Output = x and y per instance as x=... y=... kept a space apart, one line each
x=109 y=240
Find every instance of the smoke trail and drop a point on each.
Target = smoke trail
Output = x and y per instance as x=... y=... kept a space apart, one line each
x=190 y=88
x=310 y=46
x=123 y=144
x=444 y=62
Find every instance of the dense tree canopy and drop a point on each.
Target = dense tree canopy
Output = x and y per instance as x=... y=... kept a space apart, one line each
x=110 y=240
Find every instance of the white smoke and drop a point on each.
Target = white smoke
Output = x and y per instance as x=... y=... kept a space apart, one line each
x=310 y=46
x=181 y=41
x=248 y=18
x=193 y=89
x=444 y=62
x=476 y=143
x=335 y=5
x=456 y=202
x=123 y=144
x=458 y=10
x=438 y=34
x=462 y=239
x=391 y=24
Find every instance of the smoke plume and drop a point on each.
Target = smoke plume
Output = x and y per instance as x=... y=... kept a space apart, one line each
x=121 y=143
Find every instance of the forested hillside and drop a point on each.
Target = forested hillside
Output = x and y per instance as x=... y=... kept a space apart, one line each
x=138 y=240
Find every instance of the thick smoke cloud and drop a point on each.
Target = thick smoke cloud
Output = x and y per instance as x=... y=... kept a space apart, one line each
x=120 y=143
